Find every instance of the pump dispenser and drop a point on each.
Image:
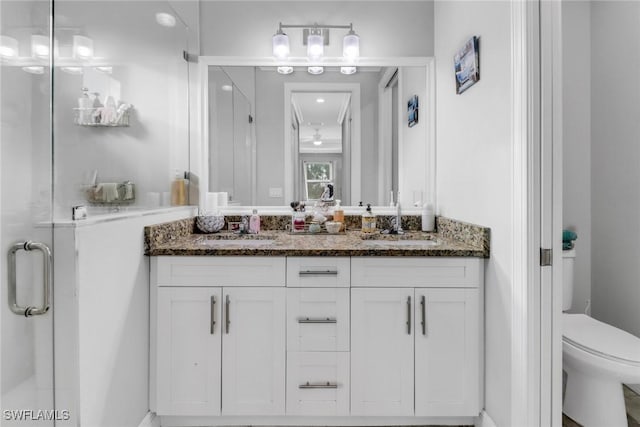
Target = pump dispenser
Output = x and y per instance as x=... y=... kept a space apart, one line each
x=368 y=220
x=338 y=214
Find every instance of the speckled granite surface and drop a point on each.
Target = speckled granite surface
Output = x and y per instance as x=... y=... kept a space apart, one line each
x=454 y=239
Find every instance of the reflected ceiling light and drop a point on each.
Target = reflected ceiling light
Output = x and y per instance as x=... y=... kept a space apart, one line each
x=285 y=70
x=165 y=19
x=347 y=70
x=72 y=70
x=82 y=47
x=8 y=47
x=351 y=45
x=34 y=69
x=316 y=137
x=226 y=88
x=315 y=70
x=280 y=43
x=320 y=100
x=105 y=69
x=317 y=142
x=40 y=46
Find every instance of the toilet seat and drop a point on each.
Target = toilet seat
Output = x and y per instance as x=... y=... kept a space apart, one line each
x=601 y=339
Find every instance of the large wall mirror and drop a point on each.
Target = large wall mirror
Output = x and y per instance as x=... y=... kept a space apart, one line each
x=271 y=138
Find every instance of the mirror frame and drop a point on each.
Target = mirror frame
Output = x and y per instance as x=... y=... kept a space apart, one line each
x=427 y=114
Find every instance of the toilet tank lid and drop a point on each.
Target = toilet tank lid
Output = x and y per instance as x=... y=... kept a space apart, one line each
x=600 y=338
x=569 y=253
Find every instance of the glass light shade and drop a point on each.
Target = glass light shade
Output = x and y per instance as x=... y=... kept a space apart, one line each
x=82 y=47
x=351 y=46
x=315 y=46
x=285 y=70
x=315 y=70
x=280 y=45
x=8 y=47
x=40 y=46
x=165 y=19
x=348 y=70
x=34 y=69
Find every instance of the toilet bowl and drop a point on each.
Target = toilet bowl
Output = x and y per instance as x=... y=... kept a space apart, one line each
x=597 y=358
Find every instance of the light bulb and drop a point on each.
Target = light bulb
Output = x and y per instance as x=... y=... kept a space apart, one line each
x=347 y=70
x=165 y=19
x=280 y=45
x=315 y=70
x=285 y=70
x=315 y=46
x=317 y=142
x=351 y=45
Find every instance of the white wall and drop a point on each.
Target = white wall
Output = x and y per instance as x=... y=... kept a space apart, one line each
x=148 y=64
x=576 y=177
x=474 y=166
x=615 y=156
x=102 y=320
x=387 y=28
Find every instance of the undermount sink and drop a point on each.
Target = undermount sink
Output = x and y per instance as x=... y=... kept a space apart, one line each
x=408 y=242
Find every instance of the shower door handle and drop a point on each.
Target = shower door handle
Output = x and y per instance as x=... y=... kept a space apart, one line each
x=46 y=280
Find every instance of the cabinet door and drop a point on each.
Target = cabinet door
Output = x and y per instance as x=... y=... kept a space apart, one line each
x=447 y=352
x=382 y=351
x=188 y=351
x=253 y=351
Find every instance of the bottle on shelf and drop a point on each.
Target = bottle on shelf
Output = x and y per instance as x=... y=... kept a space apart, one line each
x=178 y=189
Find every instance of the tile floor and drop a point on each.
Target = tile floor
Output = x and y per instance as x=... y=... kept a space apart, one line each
x=632 y=401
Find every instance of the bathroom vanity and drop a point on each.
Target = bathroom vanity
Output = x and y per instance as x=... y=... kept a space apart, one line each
x=308 y=330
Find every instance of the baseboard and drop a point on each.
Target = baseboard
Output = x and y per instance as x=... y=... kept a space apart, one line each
x=634 y=387
x=150 y=420
x=484 y=420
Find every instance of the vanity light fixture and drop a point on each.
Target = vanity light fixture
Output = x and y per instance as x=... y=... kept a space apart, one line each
x=316 y=37
x=8 y=47
x=82 y=47
x=40 y=46
x=280 y=43
x=348 y=70
x=315 y=70
x=285 y=70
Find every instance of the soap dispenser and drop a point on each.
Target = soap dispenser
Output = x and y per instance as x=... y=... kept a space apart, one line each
x=338 y=214
x=368 y=220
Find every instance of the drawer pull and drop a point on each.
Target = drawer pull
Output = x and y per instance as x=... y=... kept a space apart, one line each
x=424 y=315
x=308 y=320
x=318 y=273
x=318 y=385
x=226 y=314
x=213 y=314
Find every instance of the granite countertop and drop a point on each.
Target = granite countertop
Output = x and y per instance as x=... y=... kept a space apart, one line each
x=452 y=240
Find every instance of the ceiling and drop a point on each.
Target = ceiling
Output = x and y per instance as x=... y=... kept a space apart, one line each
x=323 y=118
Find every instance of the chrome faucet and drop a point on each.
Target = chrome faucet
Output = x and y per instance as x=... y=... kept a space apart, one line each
x=396 y=224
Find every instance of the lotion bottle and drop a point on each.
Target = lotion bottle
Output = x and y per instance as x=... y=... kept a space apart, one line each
x=338 y=214
x=368 y=220
x=254 y=223
x=178 y=190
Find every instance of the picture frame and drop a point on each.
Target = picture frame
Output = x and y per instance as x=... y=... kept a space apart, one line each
x=412 y=111
x=467 y=65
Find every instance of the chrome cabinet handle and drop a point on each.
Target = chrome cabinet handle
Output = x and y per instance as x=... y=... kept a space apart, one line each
x=318 y=273
x=424 y=315
x=318 y=385
x=213 y=314
x=409 y=315
x=226 y=314
x=308 y=320
x=46 y=282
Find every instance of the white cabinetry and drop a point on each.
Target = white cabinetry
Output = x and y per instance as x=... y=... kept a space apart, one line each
x=254 y=340
x=381 y=351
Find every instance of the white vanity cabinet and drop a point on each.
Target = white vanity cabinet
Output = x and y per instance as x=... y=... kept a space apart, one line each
x=251 y=340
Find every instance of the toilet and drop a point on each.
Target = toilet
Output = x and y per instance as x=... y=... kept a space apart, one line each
x=597 y=358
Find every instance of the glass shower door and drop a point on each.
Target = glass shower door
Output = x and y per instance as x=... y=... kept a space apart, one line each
x=26 y=369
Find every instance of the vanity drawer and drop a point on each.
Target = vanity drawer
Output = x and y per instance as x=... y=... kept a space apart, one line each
x=220 y=271
x=318 y=271
x=409 y=272
x=318 y=319
x=318 y=383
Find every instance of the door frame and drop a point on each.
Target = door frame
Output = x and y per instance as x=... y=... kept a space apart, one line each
x=536 y=357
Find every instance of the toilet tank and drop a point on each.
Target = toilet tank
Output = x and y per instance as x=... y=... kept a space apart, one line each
x=568 y=260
